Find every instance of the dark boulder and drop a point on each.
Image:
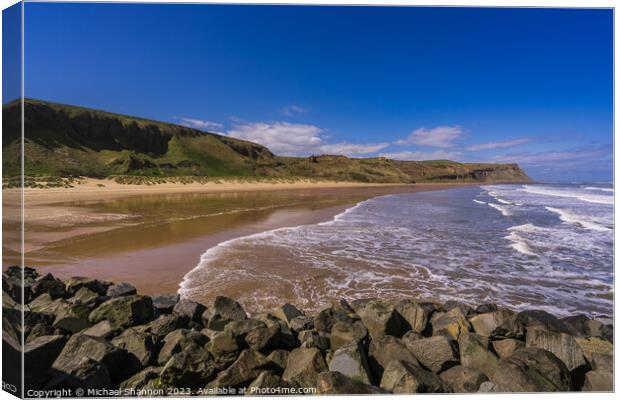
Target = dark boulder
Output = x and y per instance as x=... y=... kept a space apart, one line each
x=301 y=323
x=543 y=319
x=485 y=308
x=72 y=285
x=141 y=379
x=559 y=343
x=462 y=379
x=487 y=323
x=189 y=309
x=103 y=329
x=380 y=318
x=225 y=348
x=242 y=372
x=121 y=289
x=265 y=381
x=72 y=319
x=164 y=303
x=81 y=373
x=224 y=310
x=415 y=316
x=39 y=355
x=336 y=383
x=475 y=353
x=50 y=285
x=178 y=340
x=312 y=338
x=142 y=345
x=351 y=360
x=277 y=360
x=452 y=304
x=343 y=333
x=117 y=361
x=531 y=370
x=193 y=367
x=287 y=312
x=326 y=318
x=437 y=353
x=303 y=367
x=505 y=347
x=165 y=324
x=401 y=377
x=384 y=349
x=88 y=298
x=598 y=381
x=452 y=323
x=124 y=311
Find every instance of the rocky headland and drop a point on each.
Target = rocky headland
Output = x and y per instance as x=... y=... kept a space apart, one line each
x=84 y=333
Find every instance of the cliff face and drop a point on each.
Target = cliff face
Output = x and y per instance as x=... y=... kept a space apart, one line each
x=449 y=170
x=67 y=140
x=62 y=140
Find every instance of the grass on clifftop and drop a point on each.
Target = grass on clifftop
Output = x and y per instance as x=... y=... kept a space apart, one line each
x=64 y=141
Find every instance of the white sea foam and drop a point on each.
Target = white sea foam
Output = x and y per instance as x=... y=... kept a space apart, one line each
x=518 y=242
x=411 y=245
x=495 y=195
x=525 y=228
x=504 y=210
x=216 y=251
x=610 y=190
x=520 y=245
x=572 y=218
x=579 y=195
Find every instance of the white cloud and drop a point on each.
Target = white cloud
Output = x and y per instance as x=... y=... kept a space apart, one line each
x=422 y=155
x=352 y=148
x=498 y=145
x=200 y=124
x=285 y=138
x=294 y=109
x=441 y=136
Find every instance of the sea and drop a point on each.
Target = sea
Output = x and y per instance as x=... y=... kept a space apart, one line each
x=530 y=246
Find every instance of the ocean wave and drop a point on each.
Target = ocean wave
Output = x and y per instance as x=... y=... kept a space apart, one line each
x=495 y=195
x=579 y=220
x=610 y=190
x=590 y=198
x=401 y=246
x=520 y=245
x=526 y=228
x=505 y=212
x=215 y=252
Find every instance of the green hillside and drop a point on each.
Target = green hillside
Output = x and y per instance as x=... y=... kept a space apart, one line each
x=63 y=141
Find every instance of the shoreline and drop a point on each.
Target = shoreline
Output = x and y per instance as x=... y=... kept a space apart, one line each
x=119 y=251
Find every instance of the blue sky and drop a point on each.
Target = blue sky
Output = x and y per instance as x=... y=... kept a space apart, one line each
x=532 y=86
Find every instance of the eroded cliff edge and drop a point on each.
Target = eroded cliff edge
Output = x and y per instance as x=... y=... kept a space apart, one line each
x=63 y=140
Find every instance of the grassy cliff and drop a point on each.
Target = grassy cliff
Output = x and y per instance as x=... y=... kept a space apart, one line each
x=62 y=140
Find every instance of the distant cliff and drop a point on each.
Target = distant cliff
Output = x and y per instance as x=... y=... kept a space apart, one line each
x=63 y=140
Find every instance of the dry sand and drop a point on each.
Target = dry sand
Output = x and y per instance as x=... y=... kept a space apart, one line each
x=103 y=189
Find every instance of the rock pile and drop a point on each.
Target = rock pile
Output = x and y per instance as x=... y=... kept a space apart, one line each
x=86 y=333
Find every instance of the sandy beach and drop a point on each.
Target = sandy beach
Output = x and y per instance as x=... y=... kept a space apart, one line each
x=132 y=232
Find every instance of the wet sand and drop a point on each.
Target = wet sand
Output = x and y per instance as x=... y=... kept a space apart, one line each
x=152 y=237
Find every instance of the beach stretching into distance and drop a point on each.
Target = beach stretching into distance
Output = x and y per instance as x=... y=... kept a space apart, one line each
x=130 y=232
